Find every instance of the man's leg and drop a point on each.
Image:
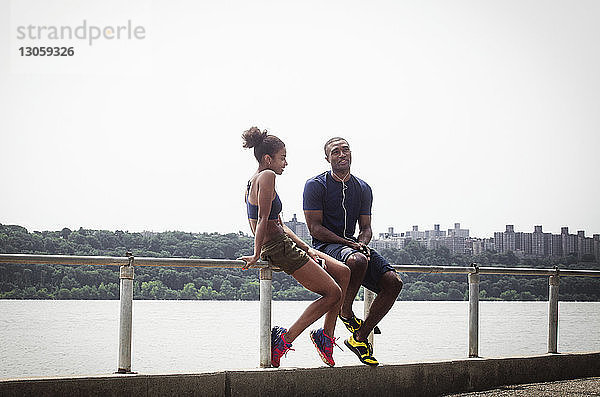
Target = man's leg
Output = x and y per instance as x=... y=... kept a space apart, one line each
x=390 y=286
x=381 y=278
x=357 y=263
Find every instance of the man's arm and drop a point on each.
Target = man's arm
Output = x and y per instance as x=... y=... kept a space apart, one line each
x=365 y=233
x=364 y=226
x=314 y=221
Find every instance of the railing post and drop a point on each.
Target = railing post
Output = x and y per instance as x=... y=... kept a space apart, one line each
x=553 y=314
x=266 y=295
x=474 y=314
x=369 y=297
x=125 y=318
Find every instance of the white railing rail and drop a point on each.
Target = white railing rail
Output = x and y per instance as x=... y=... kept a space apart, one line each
x=128 y=263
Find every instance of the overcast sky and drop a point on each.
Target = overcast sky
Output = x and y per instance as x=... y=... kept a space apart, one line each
x=485 y=113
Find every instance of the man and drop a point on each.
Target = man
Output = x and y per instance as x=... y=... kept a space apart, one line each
x=334 y=202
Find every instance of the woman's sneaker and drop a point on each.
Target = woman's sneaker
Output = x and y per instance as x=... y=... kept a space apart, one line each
x=362 y=349
x=279 y=347
x=324 y=345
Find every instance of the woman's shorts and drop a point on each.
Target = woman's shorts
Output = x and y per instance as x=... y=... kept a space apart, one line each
x=283 y=252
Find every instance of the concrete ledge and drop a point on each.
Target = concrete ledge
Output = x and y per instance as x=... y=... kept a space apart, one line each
x=119 y=385
x=422 y=379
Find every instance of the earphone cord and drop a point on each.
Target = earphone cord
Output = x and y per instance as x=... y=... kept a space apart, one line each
x=344 y=187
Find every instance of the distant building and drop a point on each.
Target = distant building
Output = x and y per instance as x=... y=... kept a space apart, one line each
x=527 y=244
x=390 y=239
x=456 y=244
x=488 y=244
x=415 y=234
x=499 y=242
x=509 y=239
x=538 y=242
x=475 y=246
x=458 y=232
x=585 y=245
x=556 y=245
x=436 y=232
x=390 y=234
x=568 y=242
x=299 y=228
x=522 y=243
x=394 y=242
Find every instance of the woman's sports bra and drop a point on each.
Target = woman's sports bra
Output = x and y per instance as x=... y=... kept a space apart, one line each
x=253 y=209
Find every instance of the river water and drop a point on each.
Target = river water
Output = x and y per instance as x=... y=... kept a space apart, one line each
x=56 y=338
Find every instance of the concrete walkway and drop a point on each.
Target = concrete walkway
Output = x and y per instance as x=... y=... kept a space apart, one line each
x=412 y=380
x=570 y=388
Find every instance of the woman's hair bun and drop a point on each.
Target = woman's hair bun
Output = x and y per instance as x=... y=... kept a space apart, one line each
x=253 y=137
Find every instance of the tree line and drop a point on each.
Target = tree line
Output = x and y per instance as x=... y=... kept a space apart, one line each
x=102 y=282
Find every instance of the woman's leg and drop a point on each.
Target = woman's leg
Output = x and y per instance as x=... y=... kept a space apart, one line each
x=314 y=278
x=341 y=275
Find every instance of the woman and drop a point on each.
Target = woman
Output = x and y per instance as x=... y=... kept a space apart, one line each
x=275 y=242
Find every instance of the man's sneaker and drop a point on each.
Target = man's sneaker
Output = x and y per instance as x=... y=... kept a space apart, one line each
x=279 y=347
x=363 y=350
x=324 y=345
x=353 y=324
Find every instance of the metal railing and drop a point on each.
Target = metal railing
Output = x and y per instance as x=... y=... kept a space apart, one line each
x=127 y=275
x=473 y=273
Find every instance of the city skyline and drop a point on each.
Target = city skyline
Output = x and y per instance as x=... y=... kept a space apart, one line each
x=533 y=228
x=538 y=244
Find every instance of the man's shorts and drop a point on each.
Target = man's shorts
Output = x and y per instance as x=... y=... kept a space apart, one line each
x=283 y=252
x=376 y=268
